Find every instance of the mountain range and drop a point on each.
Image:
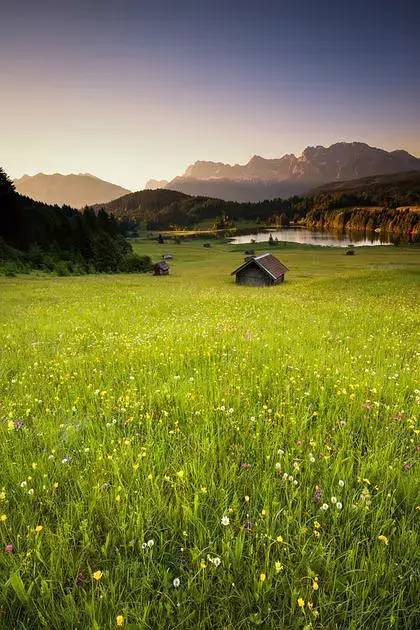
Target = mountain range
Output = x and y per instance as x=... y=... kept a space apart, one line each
x=77 y=190
x=289 y=175
x=257 y=180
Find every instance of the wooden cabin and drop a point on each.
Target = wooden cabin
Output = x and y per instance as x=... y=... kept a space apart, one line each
x=161 y=269
x=260 y=271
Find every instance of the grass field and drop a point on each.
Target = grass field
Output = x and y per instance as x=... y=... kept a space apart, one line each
x=180 y=452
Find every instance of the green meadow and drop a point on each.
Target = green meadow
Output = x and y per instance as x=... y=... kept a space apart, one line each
x=181 y=452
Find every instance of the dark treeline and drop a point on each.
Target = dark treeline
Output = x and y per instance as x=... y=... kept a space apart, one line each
x=60 y=239
x=384 y=206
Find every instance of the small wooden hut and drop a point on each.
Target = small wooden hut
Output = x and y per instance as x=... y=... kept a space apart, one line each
x=260 y=271
x=161 y=269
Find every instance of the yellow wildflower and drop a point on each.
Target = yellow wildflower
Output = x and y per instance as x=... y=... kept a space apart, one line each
x=383 y=539
x=38 y=529
x=301 y=602
x=3 y=518
x=279 y=567
x=97 y=575
x=263 y=577
x=279 y=539
x=315 y=585
x=120 y=621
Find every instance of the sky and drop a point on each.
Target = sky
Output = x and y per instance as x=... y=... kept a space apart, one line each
x=130 y=90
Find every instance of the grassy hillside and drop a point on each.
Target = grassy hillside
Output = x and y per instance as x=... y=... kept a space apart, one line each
x=186 y=453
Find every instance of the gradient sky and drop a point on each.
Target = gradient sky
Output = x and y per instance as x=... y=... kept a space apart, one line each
x=129 y=90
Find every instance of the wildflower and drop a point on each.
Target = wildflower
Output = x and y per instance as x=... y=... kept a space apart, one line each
x=248 y=526
x=176 y=582
x=38 y=529
x=225 y=521
x=245 y=466
x=31 y=491
x=318 y=494
x=3 y=518
x=180 y=474
x=150 y=543
x=301 y=602
x=317 y=525
x=246 y=497
x=8 y=548
x=216 y=561
x=203 y=565
x=279 y=539
x=324 y=506
x=97 y=575
x=279 y=567
x=339 y=505
x=315 y=585
x=120 y=621
x=383 y=539
x=263 y=577
x=341 y=483
x=277 y=466
x=333 y=500
x=144 y=545
x=118 y=498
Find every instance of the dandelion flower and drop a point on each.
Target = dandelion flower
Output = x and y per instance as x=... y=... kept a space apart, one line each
x=383 y=539
x=225 y=520
x=176 y=582
x=97 y=575
x=279 y=539
x=38 y=529
x=301 y=602
x=3 y=518
x=120 y=621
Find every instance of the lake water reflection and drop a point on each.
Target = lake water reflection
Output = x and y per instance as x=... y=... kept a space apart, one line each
x=314 y=237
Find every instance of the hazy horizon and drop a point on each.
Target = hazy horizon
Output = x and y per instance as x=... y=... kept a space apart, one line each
x=129 y=93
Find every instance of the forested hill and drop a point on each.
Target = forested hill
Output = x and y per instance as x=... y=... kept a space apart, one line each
x=163 y=209
x=143 y=204
x=398 y=186
x=61 y=239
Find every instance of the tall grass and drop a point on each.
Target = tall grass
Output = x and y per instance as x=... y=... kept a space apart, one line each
x=184 y=453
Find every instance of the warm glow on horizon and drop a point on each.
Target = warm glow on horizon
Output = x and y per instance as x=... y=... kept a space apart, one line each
x=151 y=91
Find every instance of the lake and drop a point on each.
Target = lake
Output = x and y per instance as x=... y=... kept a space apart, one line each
x=314 y=237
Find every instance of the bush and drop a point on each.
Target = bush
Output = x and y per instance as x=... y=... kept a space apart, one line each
x=62 y=268
x=134 y=263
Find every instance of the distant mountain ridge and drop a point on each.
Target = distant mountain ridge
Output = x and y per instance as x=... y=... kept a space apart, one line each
x=263 y=178
x=75 y=190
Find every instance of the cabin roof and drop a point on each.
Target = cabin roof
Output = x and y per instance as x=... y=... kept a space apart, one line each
x=162 y=265
x=268 y=263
